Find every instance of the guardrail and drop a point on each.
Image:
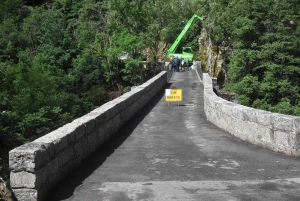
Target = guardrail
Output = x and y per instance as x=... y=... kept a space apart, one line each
x=277 y=132
x=37 y=166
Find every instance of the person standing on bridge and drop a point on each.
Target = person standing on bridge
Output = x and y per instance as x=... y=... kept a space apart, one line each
x=182 y=64
x=172 y=64
x=177 y=63
x=186 y=61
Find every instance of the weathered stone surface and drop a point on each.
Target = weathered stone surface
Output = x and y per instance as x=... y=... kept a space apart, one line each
x=226 y=108
x=37 y=166
x=5 y=193
x=297 y=134
x=28 y=156
x=283 y=122
x=260 y=117
x=59 y=139
x=26 y=194
x=22 y=179
x=210 y=101
x=277 y=132
x=87 y=121
x=214 y=57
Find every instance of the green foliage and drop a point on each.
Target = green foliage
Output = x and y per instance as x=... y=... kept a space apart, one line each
x=264 y=68
x=8 y=9
x=133 y=71
x=48 y=34
x=59 y=62
x=87 y=72
x=96 y=95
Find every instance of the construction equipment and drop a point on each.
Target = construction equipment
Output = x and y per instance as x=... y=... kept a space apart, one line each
x=186 y=52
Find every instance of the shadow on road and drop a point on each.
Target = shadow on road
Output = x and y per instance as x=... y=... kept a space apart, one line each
x=65 y=189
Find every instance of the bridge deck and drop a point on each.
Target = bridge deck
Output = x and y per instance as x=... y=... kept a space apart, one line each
x=173 y=153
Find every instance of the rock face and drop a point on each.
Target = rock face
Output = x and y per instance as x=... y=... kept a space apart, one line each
x=5 y=194
x=214 y=59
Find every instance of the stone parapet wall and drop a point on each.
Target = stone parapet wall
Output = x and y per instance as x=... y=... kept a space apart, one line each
x=37 y=166
x=277 y=132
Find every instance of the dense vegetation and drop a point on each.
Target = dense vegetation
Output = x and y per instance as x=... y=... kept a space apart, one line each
x=59 y=59
x=265 y=65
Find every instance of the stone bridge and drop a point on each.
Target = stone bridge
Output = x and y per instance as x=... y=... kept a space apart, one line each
x=136 y=147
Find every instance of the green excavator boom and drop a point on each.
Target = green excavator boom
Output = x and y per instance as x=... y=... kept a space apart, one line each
x=187 y=52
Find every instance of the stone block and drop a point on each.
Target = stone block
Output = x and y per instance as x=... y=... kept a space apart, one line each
x=22 y=179
x=92 y=140
x=140 y=90
x=77 y=149
x=26 y=194
x=116 y=123
x=45 y=174
x=137 y=92
x=108 y=127
x=74 y=163
x=281 y=139
x=240 y=112
x=207 y=81
x=72 y=131
x=249 y=114
x=87 y=121
x=147 y=85
x=224 y=122
x=124 y=114
x=218 y=104
x=244 y=128
x=297 y=134
x=283 y=122
x=62 y=173
x=221 y=118
x=28 y=157
x=132 y=98
x=86 y=149
x=227 y=107
x=211 y=115
x=235 y=125
x=54 y=177
x=231 y=125
x=262 y=117
x=65 y=156
x=207 y=111
x=114 y=109
x=259 y=132
x=105 y=111
x=210 y=101
x=59 y=139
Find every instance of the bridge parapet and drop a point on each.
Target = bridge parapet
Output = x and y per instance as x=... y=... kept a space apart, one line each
x=277 y=132
x=37 y=166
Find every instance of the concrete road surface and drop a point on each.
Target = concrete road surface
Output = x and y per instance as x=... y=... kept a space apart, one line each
x=174 y=153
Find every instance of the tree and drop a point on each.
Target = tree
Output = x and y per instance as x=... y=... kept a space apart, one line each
x=264 y=68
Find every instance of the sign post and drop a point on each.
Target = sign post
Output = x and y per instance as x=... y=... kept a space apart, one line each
x=173 y=95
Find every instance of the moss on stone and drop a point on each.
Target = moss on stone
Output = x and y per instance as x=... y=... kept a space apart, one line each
x=215 y=49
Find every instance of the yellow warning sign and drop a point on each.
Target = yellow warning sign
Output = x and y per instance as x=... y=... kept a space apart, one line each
x=173 y=94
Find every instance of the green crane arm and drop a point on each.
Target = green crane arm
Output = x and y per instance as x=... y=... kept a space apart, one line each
x=183 y=32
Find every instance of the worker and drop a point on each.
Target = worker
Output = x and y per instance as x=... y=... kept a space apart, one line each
x=186 y=61
x=182 y=64
x=172 y=64
x=177 y=63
